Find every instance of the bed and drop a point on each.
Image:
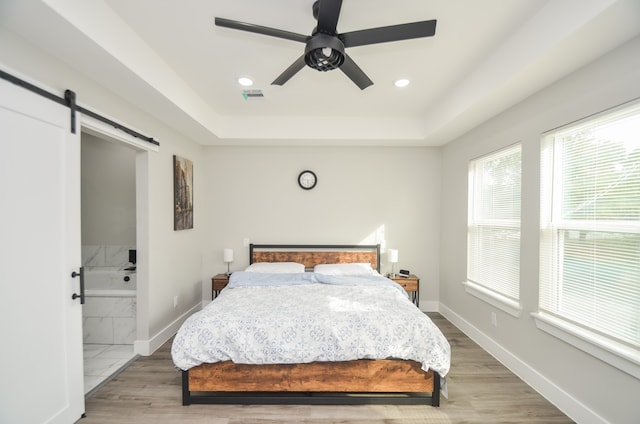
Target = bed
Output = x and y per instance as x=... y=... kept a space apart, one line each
x=236 y=350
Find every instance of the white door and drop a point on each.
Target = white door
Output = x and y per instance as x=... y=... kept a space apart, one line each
x=40 y=324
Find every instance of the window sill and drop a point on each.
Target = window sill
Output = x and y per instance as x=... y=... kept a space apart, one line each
x=503 y=303
x=623 y=357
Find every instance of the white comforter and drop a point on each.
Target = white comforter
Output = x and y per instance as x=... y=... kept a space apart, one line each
x=301 y=318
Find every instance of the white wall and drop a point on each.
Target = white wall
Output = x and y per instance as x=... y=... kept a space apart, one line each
x=363 y=195
x=171 y=264
x=587 y=389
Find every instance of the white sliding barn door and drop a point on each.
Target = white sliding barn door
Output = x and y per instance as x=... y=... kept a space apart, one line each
x=40 y=324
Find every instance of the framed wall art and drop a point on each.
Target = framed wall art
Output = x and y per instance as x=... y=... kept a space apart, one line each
x=182 y=193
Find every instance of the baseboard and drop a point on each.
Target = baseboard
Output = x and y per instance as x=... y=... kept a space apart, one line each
x=430 y=306
x=554 y=394
x=147 y=347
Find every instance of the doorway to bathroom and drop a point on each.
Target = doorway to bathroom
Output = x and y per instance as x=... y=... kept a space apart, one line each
x=109 y=257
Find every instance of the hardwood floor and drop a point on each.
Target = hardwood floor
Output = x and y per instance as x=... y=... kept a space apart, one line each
x=481 y=390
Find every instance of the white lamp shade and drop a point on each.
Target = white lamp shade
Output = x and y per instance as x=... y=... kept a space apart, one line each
x=228 y=255
x=392 y=255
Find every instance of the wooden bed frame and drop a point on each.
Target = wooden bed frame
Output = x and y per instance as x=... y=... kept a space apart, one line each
x=351 y=382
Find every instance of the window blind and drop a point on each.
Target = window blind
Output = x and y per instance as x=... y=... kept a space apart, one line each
x=590 y=224
x=493 y=248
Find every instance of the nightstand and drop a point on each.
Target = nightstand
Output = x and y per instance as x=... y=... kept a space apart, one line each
x=411 y=284
x=218 y=282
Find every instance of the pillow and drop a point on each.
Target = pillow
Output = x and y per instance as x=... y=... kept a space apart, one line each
x=275 y=267
x=345 y=269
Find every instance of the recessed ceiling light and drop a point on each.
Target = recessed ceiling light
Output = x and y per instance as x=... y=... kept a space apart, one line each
x=245 y=82
x=403 y=82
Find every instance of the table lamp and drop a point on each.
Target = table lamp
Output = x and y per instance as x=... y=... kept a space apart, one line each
x=392 y=254
x=227 y=257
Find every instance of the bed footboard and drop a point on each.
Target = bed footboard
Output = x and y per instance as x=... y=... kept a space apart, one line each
x=345 y=383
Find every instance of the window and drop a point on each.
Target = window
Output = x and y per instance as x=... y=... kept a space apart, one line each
x=590 y=230
x=493 y=247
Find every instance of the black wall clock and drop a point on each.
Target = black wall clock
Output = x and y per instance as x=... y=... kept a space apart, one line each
x=307 y=180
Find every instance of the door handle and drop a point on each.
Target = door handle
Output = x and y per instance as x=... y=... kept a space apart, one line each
x=81 y=275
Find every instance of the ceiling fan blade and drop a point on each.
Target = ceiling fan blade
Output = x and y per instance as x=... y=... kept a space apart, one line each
x=290 y=71
x=258 y=29
x=328 y=14
x=389 y=33
x=354 y=72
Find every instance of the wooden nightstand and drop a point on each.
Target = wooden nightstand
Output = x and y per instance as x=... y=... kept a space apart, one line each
x=411 y=284
x=218 y=282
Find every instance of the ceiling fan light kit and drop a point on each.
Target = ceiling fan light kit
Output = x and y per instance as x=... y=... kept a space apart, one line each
x=325 y=47
x=324 y=53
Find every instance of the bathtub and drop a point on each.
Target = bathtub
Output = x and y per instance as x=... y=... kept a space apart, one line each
x=104 y=277
x=109 y=312
x=109 y=293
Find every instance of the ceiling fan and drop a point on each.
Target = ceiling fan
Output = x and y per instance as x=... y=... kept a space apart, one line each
x=324 y=49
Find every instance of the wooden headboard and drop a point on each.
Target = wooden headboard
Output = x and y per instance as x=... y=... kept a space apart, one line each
x=311 y=255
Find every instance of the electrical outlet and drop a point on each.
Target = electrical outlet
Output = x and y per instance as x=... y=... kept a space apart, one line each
x=245 y=242
x=175 y=302
x=494 y=319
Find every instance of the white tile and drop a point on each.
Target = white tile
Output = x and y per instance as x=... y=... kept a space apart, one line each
x=116 y=280
x=102 y=366
x=116 y=367
x=117 y=255
x=124 y=330
x=93 y=350
x=108 y=360
x=124 y=307
x=98 y=330
x=93 y=255
x=120 y=351
x=92 y=381
x=91 y=307
x=132 y=283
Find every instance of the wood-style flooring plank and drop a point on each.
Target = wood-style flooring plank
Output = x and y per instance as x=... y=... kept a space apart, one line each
x=481 y=390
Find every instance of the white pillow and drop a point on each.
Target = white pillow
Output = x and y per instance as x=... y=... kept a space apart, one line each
x=275 y=267
x=345 y=269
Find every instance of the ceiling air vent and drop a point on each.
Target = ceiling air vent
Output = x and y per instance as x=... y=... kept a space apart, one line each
x=252 y=94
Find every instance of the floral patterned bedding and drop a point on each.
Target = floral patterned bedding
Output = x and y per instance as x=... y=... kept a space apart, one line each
x=307 y=317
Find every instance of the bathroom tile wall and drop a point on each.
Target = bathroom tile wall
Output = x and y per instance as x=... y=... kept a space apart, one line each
x=109 y=320
x=105 y=256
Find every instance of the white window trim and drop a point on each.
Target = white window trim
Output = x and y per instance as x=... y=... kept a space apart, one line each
x=501 y=302
x=616 y=354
